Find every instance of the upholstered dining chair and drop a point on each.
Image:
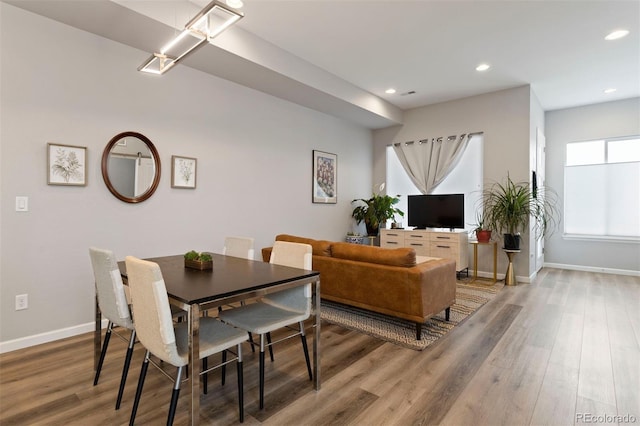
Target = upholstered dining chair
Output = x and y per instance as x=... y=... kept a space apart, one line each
x=238 y=247
x=277 y=310
x=167 y=340
x=114 y=306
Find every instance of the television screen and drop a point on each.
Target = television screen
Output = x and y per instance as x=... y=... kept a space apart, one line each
x=436 y=211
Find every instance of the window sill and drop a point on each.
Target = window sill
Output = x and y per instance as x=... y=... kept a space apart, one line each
x=601 y=238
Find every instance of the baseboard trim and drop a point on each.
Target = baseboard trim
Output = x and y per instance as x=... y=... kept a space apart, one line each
x=50 y=336
x=592 y=269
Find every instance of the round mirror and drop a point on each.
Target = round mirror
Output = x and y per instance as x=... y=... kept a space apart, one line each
x=131 y=167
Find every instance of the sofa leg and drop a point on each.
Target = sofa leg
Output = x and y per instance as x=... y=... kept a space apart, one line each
x=447 y=312
x=418 y=331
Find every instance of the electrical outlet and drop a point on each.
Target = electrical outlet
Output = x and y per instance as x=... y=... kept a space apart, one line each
x=22 y=302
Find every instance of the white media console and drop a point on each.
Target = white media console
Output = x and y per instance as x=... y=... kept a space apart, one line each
x=433 y=243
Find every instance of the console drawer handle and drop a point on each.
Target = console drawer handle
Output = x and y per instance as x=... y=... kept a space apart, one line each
x=443 y=247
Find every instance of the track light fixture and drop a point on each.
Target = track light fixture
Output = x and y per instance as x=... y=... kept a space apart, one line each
x=206 y=25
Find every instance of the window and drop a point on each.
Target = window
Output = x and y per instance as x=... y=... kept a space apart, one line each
x=466 y=179
x=602 y=189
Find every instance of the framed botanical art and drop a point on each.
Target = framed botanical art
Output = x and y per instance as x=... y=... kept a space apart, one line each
x=325 y=177
x=183 y=172
x=66 y=165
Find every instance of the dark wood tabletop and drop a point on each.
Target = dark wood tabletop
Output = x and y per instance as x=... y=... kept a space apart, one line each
x=230 y=276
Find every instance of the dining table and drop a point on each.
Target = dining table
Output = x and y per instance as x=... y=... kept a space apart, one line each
x=231 y=280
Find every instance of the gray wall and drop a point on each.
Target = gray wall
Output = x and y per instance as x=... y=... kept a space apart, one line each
x=610 y=119
x=503 y=116
x=254 y=152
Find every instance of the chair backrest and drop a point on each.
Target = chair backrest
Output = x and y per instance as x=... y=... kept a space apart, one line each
x=295 y=255
x=151 y=310
x=110 y=288
x=238 y=247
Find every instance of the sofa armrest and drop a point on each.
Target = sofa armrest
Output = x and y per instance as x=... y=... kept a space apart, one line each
x=266 y=254
x=436 y=280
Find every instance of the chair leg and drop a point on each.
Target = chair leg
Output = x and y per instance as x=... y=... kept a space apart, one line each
x=125 y=368
x=205 y=376
x=447 y=313
x=174 y=397
x=136 y=400
x=240 y=384
x=262 y=371
x=270 y=347
x=103 y=352
x=253 y=349
x=418 y=331
x=305 y=348
x=224 y=367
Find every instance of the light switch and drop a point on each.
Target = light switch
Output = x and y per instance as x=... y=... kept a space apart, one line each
x=22 y=204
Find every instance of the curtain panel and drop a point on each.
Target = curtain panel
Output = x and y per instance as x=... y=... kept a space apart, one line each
x=429 y=161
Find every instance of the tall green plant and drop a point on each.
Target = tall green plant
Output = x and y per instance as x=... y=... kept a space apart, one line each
x=510 y=206
x=376 y=210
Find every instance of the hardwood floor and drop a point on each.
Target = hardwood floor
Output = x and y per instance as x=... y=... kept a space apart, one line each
x=553 y=352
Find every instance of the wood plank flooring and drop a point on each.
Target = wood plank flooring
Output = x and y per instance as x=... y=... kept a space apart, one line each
x=552 y=352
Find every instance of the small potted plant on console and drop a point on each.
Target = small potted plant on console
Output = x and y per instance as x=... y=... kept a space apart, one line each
x=483 y=233
x=376 y=210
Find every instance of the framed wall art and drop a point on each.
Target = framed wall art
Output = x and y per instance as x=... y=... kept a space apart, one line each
x=183 y=172
x=66 y=165
x=325 y=177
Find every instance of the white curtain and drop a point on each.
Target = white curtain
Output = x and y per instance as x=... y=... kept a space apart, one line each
x=429 y=161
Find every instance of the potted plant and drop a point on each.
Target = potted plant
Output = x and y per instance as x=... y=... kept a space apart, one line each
x=376 y=210
x=354 y=237
x=510 y=206
x=483 y=233
x=195 y=260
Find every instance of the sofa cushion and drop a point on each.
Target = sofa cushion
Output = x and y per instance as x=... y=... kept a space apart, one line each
x=320 y=247
x=383 y=256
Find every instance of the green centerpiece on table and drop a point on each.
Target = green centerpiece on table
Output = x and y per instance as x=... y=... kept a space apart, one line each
x=195 y=260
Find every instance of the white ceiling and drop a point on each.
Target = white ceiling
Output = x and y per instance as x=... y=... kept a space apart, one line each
x=340 y=56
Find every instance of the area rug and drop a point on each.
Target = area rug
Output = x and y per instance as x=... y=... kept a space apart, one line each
x=469 y=298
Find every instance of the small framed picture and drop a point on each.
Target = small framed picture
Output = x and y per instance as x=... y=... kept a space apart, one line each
x=183 y=172
x=325 y=177
x=66 y=165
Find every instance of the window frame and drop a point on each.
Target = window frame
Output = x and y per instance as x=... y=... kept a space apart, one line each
x=595 y=237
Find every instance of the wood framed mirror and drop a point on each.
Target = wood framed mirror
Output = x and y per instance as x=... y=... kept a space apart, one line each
x=131 y=167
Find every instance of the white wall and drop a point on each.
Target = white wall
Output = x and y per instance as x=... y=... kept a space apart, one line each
x=254 y=152
x=536 y=121
x=605 y=120
x=503 y=116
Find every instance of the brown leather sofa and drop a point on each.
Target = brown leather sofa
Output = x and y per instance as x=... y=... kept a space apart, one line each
x=388 y=281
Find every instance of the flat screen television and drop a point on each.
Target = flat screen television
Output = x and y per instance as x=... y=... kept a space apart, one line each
x=436 y=211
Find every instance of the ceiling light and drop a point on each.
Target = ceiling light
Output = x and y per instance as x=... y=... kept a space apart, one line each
x=236 y=4
x=213 y=19
x=610 y=90
x=483 y=67
x=206 y=25
x=614 y=35
x=390 y=91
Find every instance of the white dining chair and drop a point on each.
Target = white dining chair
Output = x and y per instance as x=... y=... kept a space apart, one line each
x=277 y=310
x=167 y=340
x=113 y=304
x=238 y=247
